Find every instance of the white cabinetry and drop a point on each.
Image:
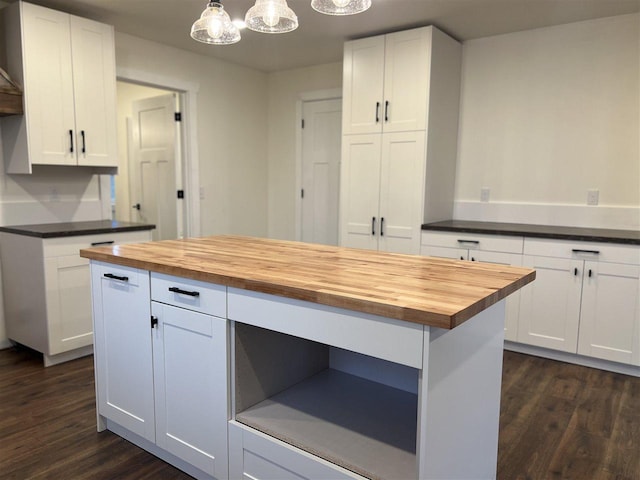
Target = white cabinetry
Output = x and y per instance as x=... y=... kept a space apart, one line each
x=67 y=66
x=585 y=299
x=504 y=250
x=179 y=325
x=383 y=180
x=387 y=82
x=400 y=120
x=47 y=293
x=123 y=351
x=330 y=395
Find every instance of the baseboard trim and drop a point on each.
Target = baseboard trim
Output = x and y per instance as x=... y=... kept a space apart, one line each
x=573 y=358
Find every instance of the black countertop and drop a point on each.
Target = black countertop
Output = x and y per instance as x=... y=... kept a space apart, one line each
x=74 y=229
x=631 y=237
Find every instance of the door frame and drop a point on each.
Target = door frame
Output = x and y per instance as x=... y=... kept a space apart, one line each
x=311 y=96
x=188 y=92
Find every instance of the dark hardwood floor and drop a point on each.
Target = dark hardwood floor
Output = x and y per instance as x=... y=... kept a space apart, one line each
x=558 y=421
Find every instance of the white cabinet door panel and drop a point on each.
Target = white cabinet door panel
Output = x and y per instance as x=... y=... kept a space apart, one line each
x=610 y=321
x=190 y=369
x=406 y=80
x=401 y=185
x=550 y=306
x=363 y=73
x=48 y=86
x=94 y=92
x=360 y=187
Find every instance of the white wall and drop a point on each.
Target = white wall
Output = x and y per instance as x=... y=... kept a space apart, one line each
x=548 y=114
x=285 y=88
x=232 y=138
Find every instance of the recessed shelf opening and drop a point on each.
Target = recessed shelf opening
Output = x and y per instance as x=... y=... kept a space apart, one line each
x=353 y=410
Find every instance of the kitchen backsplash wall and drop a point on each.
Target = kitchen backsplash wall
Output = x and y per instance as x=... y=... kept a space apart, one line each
x=546 y=116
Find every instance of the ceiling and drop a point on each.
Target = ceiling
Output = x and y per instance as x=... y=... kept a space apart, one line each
x=319 y=38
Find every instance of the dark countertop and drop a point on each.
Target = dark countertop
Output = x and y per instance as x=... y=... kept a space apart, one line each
x=74 y=229
x=630 y=237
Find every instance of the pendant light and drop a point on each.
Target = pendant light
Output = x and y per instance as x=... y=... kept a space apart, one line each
x=340 y=7
x=271 y=16
x=214 y=26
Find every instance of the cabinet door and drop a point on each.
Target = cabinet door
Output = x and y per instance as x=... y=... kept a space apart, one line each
x=550 y=306
x=68 y=303
x=406 y=80
x=94 y=81
x=363 y=73
x=122 y=345
x=610 y=319
x=512 y=304
x=360 y=191
x=190 y=368
x=48 y=86
x=401 y=191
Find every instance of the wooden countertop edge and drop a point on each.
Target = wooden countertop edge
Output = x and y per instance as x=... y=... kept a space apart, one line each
x=373 y=307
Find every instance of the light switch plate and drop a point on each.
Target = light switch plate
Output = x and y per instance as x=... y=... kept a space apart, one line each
x=593 y=196
x=485 y=193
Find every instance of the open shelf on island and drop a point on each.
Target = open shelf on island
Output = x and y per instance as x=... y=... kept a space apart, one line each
x=362 y=425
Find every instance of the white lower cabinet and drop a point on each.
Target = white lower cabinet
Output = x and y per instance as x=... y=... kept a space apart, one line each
x=585 y=299
x=123 y=351
x=161 y=366
x=47 y=292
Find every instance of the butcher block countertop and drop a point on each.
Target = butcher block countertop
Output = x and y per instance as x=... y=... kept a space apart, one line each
x=431 y=291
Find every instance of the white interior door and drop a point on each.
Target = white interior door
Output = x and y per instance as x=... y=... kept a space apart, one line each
x=153 y=166
x=321 y=170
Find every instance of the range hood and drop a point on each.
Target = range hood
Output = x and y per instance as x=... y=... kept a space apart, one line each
x=10 y=96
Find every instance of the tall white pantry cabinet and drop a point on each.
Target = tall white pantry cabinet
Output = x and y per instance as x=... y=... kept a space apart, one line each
x=66 y=65
x=400 y=122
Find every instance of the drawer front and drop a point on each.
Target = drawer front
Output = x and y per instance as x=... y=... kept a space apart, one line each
x=56 y=247
x=120 y=274
x=472 y=241
x=254 y=455
x=605 y=252
x=190 y=294
x=371 y=335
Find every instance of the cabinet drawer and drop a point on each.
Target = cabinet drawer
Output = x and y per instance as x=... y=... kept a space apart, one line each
x=472 y=241
x=371 y=335
x=119 y=273
x=60 y=246
x=605 y=252
x=190 y=294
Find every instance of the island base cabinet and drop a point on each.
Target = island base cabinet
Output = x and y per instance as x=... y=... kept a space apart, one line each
x=305 y=407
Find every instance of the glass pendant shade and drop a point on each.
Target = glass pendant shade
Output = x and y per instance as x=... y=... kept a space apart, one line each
x=271 y=16
x=340 y=7
x=214 y=26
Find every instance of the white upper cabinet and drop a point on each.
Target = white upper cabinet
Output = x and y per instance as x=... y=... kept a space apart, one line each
x=67 y=66
x=386 y=82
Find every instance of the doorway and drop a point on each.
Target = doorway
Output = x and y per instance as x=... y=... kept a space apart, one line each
x=320 y=170
x=149 y=187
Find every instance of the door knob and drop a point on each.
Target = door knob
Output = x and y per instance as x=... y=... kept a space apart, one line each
x=136 y=206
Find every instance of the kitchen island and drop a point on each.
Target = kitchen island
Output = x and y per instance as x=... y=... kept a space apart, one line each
x=238 y=357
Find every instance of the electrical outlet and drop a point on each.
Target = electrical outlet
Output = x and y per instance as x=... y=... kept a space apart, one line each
x=485 y=192
x=593 y=197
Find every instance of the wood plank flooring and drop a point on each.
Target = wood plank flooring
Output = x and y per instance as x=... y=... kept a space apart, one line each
x=558 y=421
